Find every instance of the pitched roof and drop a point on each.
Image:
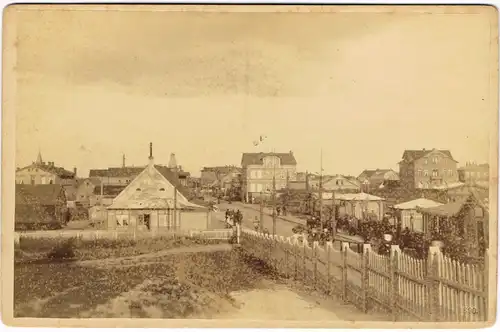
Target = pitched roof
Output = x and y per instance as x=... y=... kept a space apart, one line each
x=358 y=197
x=419 y=202
x=134 y=171
x=59 y=171
x=150 y=190
x=256 y=158
x=445 y=210
x=42 y=194
x=417 y=154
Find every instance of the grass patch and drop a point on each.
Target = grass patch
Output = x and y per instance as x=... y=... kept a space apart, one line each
x=32 y=250
x=181 y=286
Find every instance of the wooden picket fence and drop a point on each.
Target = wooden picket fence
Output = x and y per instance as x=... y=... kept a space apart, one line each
x=408 y=289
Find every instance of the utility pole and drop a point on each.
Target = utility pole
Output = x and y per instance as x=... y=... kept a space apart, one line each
x=287 y=193
x=274 y=198
x=321 y=191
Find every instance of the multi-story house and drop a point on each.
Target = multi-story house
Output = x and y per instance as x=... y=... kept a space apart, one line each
x=428 y=169
x=40 y=172
x=474 y=173
x=258 y=170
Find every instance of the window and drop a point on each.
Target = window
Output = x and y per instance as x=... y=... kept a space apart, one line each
x=434 y=160
x=426 y=173
x=435 y=172
x=162 y=189
x=32 y=179
x=445 y=171
x=419 y=172
x=43 y=179
x=478 y=212
x=138 y=189
x=425 y=161
x=51 y=182
x=450 y=172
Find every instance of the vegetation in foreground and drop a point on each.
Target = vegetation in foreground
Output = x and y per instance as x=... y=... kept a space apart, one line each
x=180 y=286
x=32 y=250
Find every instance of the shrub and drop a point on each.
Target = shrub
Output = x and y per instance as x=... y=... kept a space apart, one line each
x=63 y=251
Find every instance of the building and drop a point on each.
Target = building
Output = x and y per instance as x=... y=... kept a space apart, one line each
x=465 y=221
x=40 y=206
x=474 y=173
x=337 y=183
x=213 y=176
x=410 y=217
x=40 y=172
x=360 y=205
x=462 y=192
x=151 y=202
x=122 y=176
x=427 y=169
x=85 y=191
x=258 y=170
x=377 y=178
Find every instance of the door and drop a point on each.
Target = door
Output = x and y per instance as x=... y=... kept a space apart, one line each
x=147 y=221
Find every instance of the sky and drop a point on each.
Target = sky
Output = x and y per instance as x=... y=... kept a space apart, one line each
x=360 y=87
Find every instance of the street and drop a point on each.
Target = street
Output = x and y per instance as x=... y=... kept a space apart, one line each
x=283 y=228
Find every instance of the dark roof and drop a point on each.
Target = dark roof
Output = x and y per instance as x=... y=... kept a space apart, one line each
x=221 y=169
x=116 y=172
x=256 y=158
x=59 y=171
x=417 y=154
x=42 y=194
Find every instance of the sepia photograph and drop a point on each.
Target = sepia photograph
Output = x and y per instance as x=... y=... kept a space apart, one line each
x=249 y=166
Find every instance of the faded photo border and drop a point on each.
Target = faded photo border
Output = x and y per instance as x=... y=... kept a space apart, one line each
x=9 y=147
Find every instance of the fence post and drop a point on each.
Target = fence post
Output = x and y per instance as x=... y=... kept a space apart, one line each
x=296 y=258
x=433 y=283
x=305 y=244
x=344 y=247
x=285 y=248
x=393 y=272
x=315 y=264
x=486 y=279
x=328 y=267
x=365 y=275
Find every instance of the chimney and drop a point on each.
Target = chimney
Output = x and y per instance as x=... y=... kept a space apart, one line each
x=151 y=159
x=291 y=152
x=172 y=163
x=123 y=161
x=74 y=170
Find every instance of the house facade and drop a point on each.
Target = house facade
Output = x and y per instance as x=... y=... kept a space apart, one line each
x=40 y=206
x=151 y=202
x=40 y=172
x=427 y=169
x=377 y=178
x=474 y=173
x=258 y=170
